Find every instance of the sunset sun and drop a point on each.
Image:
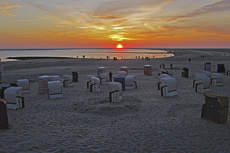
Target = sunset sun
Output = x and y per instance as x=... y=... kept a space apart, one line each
x=119 y=46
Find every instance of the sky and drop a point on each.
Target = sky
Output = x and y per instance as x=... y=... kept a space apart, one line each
x=106 y=23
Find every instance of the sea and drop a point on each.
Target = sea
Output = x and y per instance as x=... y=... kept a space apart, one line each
x=93 y=53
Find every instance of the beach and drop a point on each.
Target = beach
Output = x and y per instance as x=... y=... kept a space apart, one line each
x=143 y=122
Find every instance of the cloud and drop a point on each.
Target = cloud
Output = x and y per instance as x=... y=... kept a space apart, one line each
x=6 y=9
x=212 y=8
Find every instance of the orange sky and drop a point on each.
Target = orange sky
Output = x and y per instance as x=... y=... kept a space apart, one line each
x=106 y=23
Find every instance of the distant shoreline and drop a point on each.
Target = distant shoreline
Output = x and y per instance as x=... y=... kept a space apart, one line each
x=38 y=57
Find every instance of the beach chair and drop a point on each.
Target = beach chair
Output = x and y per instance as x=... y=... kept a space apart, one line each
x=185 y=72
x=124 y=68
x=115 y=91
x=43 y=84
x=104 y=78
x=54 y=89
x=74 y=77
x=89 y=80
x=168 y=86
x=215 y=108
x=122 y=73
x=159 y=79
x=130 y=82
x=201 y=83
x=121 y=80
x=220 y=68
x=67 y=80
x=228 y=70
x=216 y=78
x=25 y=84
x=13 y=97
x=148 y=70
x=207 y=66
x=95 y=84
x=100 y=70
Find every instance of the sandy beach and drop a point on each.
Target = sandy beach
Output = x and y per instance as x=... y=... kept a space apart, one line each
x=143 y=122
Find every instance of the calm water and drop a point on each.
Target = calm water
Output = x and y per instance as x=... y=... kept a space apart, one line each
x=88 y=53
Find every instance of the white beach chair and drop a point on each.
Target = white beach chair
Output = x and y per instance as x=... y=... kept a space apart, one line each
x=130 y=82
x=159 y=79
x=104 y=78
x=89 y=80
x=13 y=97
x=67 y=80
x=122 y=73
x=201 y=83
x=168 y=86
x=115 y=91
x=100 y=70
x=216 y=78
x=55 y=89
x=25 y=84
x=95 y=84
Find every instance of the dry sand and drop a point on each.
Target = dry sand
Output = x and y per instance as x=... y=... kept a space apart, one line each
x=143 y=122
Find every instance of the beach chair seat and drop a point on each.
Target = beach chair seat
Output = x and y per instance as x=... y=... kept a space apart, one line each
x=67 y=80
x=25 y=84
x=95 y=84
x=215 y=108
x=201 y=83
x=168 y=86
x=122 y=73
x=55 y=89
x=13 y=97
x=104 y=78
x=115 y=91
x=159 y=79
x=130 y=82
